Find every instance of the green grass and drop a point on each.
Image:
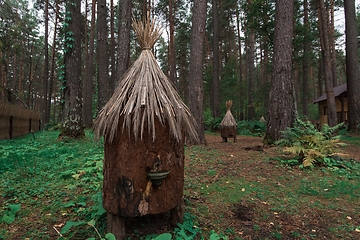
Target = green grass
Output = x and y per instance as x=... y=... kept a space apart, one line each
x=52 y=180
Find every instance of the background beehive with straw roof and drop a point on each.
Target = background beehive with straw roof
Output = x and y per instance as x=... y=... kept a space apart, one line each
x=228 y=125
x=144 y=126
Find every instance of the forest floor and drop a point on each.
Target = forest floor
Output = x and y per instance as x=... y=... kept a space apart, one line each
x=239 y=190
x=282 y=202
x=243 y=190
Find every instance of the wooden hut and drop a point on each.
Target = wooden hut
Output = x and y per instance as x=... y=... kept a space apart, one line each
x=144 y=126
x=340 y=93
x=228 y=125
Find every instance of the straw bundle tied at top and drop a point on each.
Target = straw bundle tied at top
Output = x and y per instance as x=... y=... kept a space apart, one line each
x=229 y=120
x=143 y=94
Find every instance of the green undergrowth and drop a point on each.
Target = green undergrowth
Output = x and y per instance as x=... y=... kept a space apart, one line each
x=57 y=184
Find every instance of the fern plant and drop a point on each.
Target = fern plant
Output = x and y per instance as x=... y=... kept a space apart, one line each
x=312 y=145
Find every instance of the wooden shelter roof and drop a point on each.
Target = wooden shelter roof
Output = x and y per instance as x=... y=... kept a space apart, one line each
x=337 y=91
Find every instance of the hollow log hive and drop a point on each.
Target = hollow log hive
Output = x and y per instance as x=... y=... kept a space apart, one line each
x=127 y=191
x=144 y=126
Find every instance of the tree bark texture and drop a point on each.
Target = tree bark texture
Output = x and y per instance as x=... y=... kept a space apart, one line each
x=124 y=37
x=281 y=98
x=102 y=54
x=52 y=67
x=112 y=49
x=21 y=74
x=251 y=76
x=31 y=73
x=88 y=83
x=172 y=57
x=320 y=77
x=196 y=94
x=329 y=88
x=305 y=62
x=352 y=66
x=332 y=43
x=216 y=60
x=15 y=78
x=72 y=125
x=144 y=9
x=46 y=115
x=241 y=115
x=127 y=191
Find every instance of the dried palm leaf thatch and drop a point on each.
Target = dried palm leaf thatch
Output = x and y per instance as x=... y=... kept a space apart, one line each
x=229 y=120
x=143 y=94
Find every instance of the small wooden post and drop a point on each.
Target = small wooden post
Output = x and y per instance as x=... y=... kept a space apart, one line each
x=116 y=226
x=177 y=214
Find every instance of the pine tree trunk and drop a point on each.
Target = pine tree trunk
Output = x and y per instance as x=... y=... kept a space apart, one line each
x=324 y=39
x=144 y=9
x=45 y=114
x=52 y=67
x=332 y=42
x=296 y=83
x=320 y=76
x=352 y=66
x=21 y=74
x=88 y=83
x=124 y=37
x=102 y=54
x=216 y=93
x=196 y=66
x=240 y=82
x=31 y=74
x=2 y=71
x=112 y=49
x=15 y=78
x=281 y=98
x=251 y=76
x=72 y=125
x=305 y=62
x=172 y=57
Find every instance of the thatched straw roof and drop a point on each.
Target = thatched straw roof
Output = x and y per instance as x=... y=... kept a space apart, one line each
x=229 y=120
x=143 y=94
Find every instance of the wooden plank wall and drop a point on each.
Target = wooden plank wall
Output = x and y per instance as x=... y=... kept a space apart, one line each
x=16 y=121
